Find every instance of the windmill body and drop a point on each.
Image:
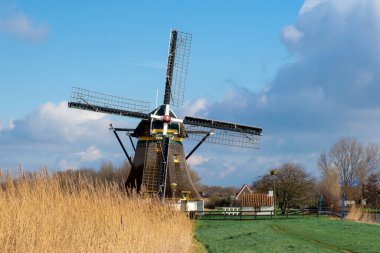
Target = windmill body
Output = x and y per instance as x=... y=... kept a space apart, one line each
x=148 y=156
x=159 y=159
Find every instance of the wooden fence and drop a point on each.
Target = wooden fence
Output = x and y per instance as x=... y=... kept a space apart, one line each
x=260 y=215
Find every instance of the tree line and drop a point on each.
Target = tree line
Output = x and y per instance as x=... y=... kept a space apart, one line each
x=107 y=173
x=348 y=167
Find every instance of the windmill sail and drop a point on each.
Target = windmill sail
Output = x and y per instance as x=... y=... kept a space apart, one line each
x=224 y=133
x=179 y=50
x=99 y=102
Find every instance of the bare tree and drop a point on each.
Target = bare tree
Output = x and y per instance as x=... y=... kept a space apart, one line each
x=263 y=183
x=195 y=178
x=371 y=190
x=294 y=185
x=372 y=158
x=352 y=161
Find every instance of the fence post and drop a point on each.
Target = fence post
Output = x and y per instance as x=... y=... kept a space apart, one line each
x=342 y=207
x=320 y=205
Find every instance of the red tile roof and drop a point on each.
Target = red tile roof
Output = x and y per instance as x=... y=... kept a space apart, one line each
x=256 y=200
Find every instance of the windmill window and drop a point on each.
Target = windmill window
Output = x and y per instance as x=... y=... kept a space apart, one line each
x=176 y=158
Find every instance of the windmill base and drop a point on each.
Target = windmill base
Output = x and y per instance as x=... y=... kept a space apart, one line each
x=146 y=164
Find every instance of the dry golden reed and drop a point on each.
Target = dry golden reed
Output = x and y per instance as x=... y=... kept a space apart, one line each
x=47 y=213
x=357 y=214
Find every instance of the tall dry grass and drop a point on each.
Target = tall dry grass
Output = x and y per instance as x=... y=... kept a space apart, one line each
x=357 y=214
x=45 y=213
x=330 y=188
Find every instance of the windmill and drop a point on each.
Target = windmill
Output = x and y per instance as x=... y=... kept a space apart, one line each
x=159 y=159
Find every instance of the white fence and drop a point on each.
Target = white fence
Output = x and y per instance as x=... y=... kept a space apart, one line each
x=231 y=210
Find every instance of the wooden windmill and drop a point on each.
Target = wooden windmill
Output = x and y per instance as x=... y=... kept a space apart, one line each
x=159 y=159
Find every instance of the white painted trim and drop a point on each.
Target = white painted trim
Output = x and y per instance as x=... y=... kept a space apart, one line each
x=242 y=189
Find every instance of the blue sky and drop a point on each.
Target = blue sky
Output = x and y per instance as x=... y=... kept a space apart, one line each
x=305 y=71
x=117 y=47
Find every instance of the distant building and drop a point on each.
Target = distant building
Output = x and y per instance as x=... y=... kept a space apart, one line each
x=259 y=203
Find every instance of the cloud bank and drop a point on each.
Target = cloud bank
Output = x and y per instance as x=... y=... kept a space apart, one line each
x=58 y=137
x=329 y=88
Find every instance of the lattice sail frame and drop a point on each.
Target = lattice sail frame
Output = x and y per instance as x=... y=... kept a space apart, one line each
x=92 y=98
x=224 y=137
x=181 y=61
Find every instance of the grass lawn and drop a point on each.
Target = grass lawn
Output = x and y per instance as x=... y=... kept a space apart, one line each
x=288 y=235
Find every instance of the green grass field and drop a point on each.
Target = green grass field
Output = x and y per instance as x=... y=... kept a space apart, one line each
x=288 y=235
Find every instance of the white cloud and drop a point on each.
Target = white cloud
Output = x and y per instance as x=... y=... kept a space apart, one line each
x=231 y=97
x=57 y=120
x=59 y=137
x=309 y=5
x=77 y=159
x=194 y=108
x=291 y=34
x=226 y=170
x=9 y=126
x=196 y=160
x=20 y=25
x=89 y=155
